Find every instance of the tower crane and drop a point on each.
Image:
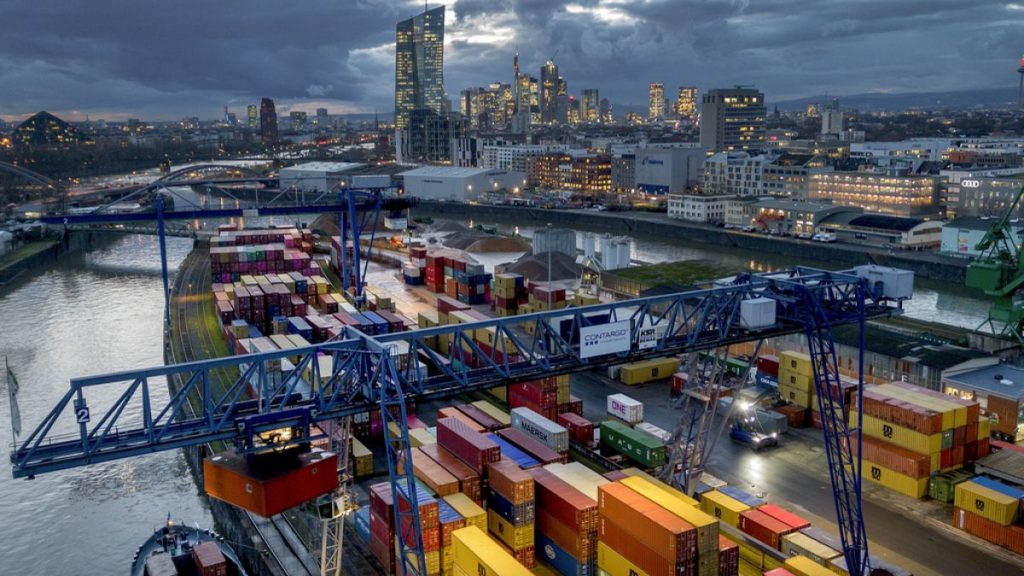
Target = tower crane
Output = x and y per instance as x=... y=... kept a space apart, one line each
x=999 y=272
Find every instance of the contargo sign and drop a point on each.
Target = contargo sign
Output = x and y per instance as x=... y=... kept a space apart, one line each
x=605 y=339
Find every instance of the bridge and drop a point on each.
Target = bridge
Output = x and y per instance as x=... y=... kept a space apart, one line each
x=379 y=371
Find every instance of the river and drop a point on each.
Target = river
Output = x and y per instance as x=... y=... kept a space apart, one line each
x=90 y=313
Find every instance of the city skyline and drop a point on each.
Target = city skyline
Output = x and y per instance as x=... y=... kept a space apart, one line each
x=343 y=58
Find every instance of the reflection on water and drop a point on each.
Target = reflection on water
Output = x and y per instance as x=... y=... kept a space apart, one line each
x=96 y=313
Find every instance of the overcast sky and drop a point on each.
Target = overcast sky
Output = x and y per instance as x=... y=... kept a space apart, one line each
x=166 y=60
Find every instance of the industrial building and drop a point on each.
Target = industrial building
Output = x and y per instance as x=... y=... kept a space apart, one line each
x=668 y=170
x=317 y=176
x=960 y=236
x=882 y=230
x=896 y=194
x=790 y=216
x=458 y=184
x=999 y=389
x=554 y=240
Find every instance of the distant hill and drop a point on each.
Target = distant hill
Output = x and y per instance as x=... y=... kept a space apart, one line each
x=959 y=100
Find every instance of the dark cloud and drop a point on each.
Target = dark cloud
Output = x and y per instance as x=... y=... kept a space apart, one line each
x=190 y=57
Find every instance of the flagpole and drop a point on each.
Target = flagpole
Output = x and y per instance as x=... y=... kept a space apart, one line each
x=12 y=395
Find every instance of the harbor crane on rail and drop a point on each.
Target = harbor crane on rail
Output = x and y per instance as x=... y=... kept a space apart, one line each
x=365 y=374
x=999 y=272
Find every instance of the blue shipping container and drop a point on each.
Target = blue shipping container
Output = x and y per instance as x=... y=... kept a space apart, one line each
x=563 y=562
x=362 y=522
x=254 y=332
x=513 y=453
x=742 y=496
x=1011 y=491
x=366 y=326
x=380 y=324
x=517 y=514
x=298 y=325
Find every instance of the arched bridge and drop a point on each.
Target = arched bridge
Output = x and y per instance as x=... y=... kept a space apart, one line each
x=30 y=175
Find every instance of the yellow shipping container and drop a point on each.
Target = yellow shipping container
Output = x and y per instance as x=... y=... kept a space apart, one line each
x=499 y=392
x=515 y=537
x=615 y=564
x=489 y=336
x=478 y=555
x=724 y=507
x=420 y=437
x=984 y=428
x=647 y=370
x=803 y=566
x=668 y=489
x=542 y=569
x=707 y=527
x=987 y=503
x=471 y=511
x=771 y=562
x=748 y=569
x=795 y=363
x=798 y=544
x=905 y=437
x=913 y=487
x=494 y=412
x=362 y=459
x=447 y=559
x=750 y=554
x=947 y=409
x=797 y=396
x=796 y=381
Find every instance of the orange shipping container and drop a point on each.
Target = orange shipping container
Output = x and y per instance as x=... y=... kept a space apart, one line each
x=633 y=547
x=228 y=478
x=896 y=458
x=469 y=480
x=665 y=532
x=509 y=480
x=453 y=412
x=439 y=480
x=1011 y=537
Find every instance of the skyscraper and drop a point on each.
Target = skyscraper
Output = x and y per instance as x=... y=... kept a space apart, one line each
x=562 y=102
x=549 y=92
x=268 y=121
x=686 y=103
x=588 y=106
x=254 y=116
x=605 y=110
x=733 y=119
x=832 y=119
x=419 y=65
x=1020 y=89
x=656 y=101
x=322 y=117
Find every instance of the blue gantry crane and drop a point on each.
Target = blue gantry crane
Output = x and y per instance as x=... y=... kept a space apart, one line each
x=377 y=371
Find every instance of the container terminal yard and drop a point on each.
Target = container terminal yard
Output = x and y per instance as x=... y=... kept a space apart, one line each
x=389 y=407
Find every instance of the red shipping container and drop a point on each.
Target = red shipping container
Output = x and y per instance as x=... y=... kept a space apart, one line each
x=580 y=545
x=779 y=572
x=532 y=446
x=516 y=400
x=768 y=364
x=510 y=481
x=209 y=559
x=470 y=446
x=469 y=481
x=679 y=381
x=480 y=417
x=615 y=475
x=666 y=533
x=562 y=501
x=728 y=557
x=227 y=477
x=580 y=429
x=1011 y=537
x=764 y=527
x=385 y=552
x=635 y=548
x=446 y=304
x=452 y=412
x=984 y=447
x=535 y=393
x=784 y=516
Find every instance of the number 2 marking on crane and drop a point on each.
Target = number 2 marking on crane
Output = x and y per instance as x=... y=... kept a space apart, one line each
x=82 y=415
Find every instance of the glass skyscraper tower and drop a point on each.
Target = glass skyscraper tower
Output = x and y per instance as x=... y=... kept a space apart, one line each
x=419 y=65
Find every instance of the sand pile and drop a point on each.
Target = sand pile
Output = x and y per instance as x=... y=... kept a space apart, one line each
x=535 y=267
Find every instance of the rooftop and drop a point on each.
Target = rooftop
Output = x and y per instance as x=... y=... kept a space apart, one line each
x=331 y=167
x=1003 y=379
x=882 y=340
x=977 y=223
x=886 y=222
x=445 y=172
x=801 y=205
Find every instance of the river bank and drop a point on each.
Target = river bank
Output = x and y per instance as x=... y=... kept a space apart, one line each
x=659 y=227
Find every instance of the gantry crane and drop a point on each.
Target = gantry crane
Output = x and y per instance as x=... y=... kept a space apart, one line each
x=365 y=374
x=999 y=271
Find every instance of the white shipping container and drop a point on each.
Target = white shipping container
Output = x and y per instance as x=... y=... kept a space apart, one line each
x=655 y=431
x=545 y=431
x=757 y=313
x=411 y=271
x=625 y=408
x=887 y=282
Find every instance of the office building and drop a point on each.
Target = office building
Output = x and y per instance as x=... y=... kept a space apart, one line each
x=589 y=106
x=735 y=174
x=656 y=101
x=549 y=93
x=429 y=136
x=605 y=111
x=698 y=207
x=670 y=169
x=253 y=114
x=812 y=110
x=832 y=120
x=562 y=102
x=789 y=174
x=419 y=65
x=784 y=216
x=268 y=121
x=686 y=103
x=733 y=119
x=881 y=192
x=322 y=118
x=297 y=119
x=986 y=195
x=44 y=130
x=574 y=110
x=624 y=173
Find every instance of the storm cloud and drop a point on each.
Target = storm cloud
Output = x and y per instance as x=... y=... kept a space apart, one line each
x=165 y=60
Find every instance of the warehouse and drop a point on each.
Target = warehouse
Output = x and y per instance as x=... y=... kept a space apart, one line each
x=316 y=176
x=1000 y=392
x=458 y=184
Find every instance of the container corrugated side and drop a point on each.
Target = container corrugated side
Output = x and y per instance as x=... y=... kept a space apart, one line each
x=515 y=537
x=635 y=549
x=1011 y=537
x=913 y=487
x=626 y=408
x=564 y=502
x=803 y=566
x=544 y=430
x=639 y=446
x=706 y=526
x=512 y=482
x=469 y=480
x=899 y=435
x=494 y=412
x=665 y=487
x=667 y=534
x=723 y=507
x=615 y=564
x=785 y=516
x=800 y=544
x=580 y=477
x=764 y=527
x=475 y=553
x=987 y=503
x=468 y=509
x=468 y=445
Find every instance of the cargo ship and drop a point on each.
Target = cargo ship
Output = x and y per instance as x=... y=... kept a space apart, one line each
x=180 y=550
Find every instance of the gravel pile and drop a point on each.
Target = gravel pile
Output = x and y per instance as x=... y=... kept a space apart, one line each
x=535 y=267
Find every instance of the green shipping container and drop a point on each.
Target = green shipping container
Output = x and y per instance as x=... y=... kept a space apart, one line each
x=947 y=439
x=941 y=487
x=634 y=444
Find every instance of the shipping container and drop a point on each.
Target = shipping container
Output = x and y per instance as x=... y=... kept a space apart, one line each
x=544 y=430
x=512 y=452
x=547 y=550
x=477 y=555
x=785 y=516
x=469 y=480
x=227 y=477
x=362 y=459
x=494 y=412
x=580 y=429
x=638 y=446
x=764 y=527
x=613 y=563
x=432 y=474
x=510 y=481
x=625 y=408
x=480 y=417
x=723 y=507
x=704 y=524
x=800 y=544
x=564 y=502
x=899 y=435
x=795 y=363
x=1009 y=536
x=647 y=370
x=802 y=566
x=665 y=533
x=515 y=537
x=471 y=447
x=470 y=511
x=940 y=486
x=728 y=558
x=640 y=552
x=908 y=485
x=209 y=560
x=579 y=476
x=741 y=495
x=531 y=446
x=581 y=545
x=515 y=514
x=678 y=495
x=987 y=503
x=894 y=457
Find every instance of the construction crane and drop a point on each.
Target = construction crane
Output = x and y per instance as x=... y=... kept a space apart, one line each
x=999 y=272
x=365 y=374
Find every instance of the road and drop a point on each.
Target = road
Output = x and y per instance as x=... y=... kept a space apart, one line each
x=796 y=475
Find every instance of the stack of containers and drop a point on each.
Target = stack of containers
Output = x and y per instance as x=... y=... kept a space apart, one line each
x=433 y=274
x=430 y=526
x=910 y=433
x=536 y=450
x=990 y=510
x=638 y=446
x=544 y=430
x=566 y=523
x=473 y=448
x=541 y=294
x=449 y=520
x=796 y=378
x=382 y=525
x=625 y=409
x=511 y=509
x=414 y=271
x=644 y=371
x=509 y=289
x=844 y=389
x=472 y=285
x=469 y=480
x=543 y=396
x=580 y=429
x=722 y=506
x=474 y=553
